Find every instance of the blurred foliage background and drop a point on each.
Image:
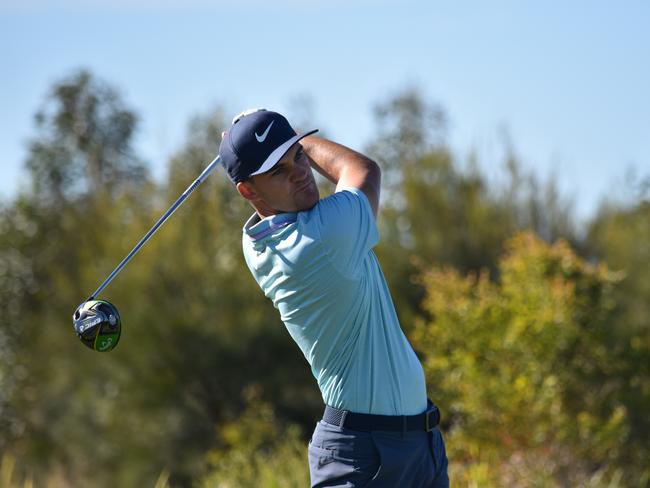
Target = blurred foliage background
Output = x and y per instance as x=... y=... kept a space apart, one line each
x=533 y=329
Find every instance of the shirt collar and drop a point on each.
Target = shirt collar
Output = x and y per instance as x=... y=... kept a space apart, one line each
x=258 y=229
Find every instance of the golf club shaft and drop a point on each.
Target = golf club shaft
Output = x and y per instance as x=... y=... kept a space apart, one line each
x=160 y=222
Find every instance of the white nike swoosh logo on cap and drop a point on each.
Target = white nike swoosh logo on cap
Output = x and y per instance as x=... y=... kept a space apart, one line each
x=264 y=134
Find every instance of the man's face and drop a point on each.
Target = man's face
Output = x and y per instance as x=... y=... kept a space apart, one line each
x=289 y=186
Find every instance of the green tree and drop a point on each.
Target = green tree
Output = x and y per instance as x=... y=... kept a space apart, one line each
x=85 y=183
x=620 y=236
x=83 y=142
x=437 y=210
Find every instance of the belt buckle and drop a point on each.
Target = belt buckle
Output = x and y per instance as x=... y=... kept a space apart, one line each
x=429 y=422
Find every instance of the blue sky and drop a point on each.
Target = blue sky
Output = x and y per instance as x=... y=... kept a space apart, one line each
x=568 y=80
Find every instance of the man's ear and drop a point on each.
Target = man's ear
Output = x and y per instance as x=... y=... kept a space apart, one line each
x=246 y=190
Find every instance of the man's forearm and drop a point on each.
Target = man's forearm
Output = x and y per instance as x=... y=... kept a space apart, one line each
x=344 y=166
x=330 y=159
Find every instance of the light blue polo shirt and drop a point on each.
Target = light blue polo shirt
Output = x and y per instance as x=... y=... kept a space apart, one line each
x=319 y=270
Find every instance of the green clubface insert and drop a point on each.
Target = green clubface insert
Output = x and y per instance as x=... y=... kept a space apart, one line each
x=105 y=343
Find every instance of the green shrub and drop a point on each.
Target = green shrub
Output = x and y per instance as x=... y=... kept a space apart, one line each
x=526 y=371
x=258 y=451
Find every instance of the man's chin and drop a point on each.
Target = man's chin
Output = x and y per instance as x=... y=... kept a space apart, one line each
x=308 y=201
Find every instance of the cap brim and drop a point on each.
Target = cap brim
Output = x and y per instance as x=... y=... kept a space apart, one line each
x=279 y=152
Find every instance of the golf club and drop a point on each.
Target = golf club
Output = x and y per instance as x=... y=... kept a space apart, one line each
x=97 y=322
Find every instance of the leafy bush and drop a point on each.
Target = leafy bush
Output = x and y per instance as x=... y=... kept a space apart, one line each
x=525 y=371
x=258 y=451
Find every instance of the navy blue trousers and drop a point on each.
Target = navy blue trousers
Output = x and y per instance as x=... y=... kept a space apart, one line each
x=340 y=457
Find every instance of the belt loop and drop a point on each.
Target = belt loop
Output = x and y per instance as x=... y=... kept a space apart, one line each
x=403 y=426
x=345 y=414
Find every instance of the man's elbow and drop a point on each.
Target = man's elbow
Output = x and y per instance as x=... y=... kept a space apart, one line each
x=374 y=173
x=372 y=184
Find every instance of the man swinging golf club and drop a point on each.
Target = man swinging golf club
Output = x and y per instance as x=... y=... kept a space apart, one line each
x=313 y=258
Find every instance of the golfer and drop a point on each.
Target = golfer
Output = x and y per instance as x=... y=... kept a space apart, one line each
x=313 y=259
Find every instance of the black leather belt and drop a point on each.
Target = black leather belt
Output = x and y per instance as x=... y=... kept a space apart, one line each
x=366 y=422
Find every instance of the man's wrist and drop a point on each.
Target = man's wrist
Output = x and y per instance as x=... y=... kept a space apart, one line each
x=320 y=159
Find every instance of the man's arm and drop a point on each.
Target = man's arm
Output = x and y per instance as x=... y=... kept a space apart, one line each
x=344 y=167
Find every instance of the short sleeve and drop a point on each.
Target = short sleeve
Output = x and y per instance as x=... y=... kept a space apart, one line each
x=347 y=228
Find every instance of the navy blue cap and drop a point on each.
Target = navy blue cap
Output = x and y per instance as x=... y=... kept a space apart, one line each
x=255 y=143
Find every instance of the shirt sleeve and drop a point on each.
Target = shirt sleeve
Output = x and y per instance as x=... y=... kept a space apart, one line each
x=347 y=228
